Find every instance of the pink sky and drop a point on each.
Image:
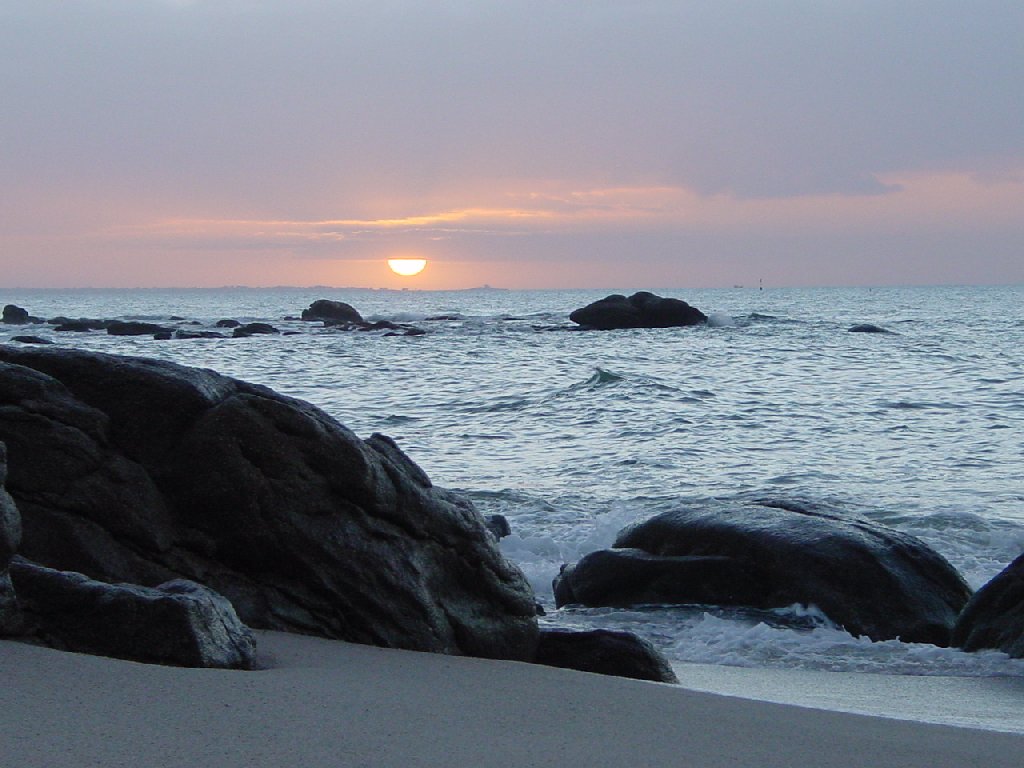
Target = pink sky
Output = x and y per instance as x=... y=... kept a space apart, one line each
x=581 y=144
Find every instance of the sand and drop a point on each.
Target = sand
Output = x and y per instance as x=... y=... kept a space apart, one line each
x=325 y=703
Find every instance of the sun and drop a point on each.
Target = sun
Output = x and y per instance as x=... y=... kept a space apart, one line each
x=407 y=267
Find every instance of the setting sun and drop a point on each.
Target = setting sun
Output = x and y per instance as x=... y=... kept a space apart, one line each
x=407 y=267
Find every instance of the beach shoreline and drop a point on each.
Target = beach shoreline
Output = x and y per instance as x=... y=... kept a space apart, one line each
x=318 y=702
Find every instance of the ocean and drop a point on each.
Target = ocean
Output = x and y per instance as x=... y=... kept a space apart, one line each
x=572 y=435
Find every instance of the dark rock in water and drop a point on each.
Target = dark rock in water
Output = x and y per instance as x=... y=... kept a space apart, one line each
x=254 y=329
x=872 y=580
x=179 y=622
x=228 y=323
x=80 y=326
x=994 y=616
x=641 y=310
x=867 y=328
x=30 y=340
x=163 y=336
x=605 y=652
x=332 y=312
x=136 y=328
x=498 y=525
x=10 y=538
x=141 y=471
x=15 y=315
x=183 y=334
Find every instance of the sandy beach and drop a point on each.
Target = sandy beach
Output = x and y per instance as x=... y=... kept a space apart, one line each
x=325 y=703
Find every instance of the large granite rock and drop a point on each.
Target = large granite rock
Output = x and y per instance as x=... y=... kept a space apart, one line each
x=641 y=310
x=331 y=312
x=10 y=538
x=605 y=652
x=178 y=622
x=994 y=616
x=141 y=471
x=872 y=580
x=15 y=315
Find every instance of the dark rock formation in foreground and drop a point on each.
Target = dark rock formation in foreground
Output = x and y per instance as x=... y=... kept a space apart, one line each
x=10 y=538
x=605 y=652
x=994 y=617
x=641 y=310
x=872 y=580
x=142 y=471
x=328 y=311
x=178 y=622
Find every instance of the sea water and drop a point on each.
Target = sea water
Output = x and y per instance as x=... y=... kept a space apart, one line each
x=572 y=435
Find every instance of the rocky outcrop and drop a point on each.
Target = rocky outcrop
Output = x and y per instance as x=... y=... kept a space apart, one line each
x=331 y=312
x=994 y=617
x=10 y=538
x=604 y=652
x=30 y=340
x=15 y=315
x=142 y=471
x=641 y=310
x=179 y=622
x=872 y=580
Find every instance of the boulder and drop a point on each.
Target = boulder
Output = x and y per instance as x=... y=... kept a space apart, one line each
x=136 y=328
x=15 y=315
x=80 y=326
x=870 y=579
x=141 y=471
x=330 y=312
x=179 y=622
x=994 y=616
x=228 y=323
x=604 y=652
x=641 y=310
x=10 y=538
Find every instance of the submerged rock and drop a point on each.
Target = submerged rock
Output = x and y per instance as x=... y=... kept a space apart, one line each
x=867 y=328
x=141 y=471
x=604 y=652
x=641 y=310
x=870 y=579
x=253 y=329
x=30 y=340
x=994 y=616
x=135 y=328
x=178 y=622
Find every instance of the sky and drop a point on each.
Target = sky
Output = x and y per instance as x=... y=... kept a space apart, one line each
x=520 y=144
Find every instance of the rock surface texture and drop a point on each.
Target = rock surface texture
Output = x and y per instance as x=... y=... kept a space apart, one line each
x=179 y=622
x=142 y=471
x=641 y=310
x=872 y=580
x=994 y=617
x=10 y=538
x=604 y=652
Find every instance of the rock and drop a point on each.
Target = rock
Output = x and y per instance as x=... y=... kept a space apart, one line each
x=605 y=652
x=178 y=622
x=498 y=525
x=163 y=336
x=182 y=334
x=80 y=326
x=251 y=329
x=15 y=315
x=141 y=471
x=332 y=312
x=866 y=328
x=228 y=323
x=641 y=310
x=872 y=580
x=136 y=328
x=30 y=340
x=10 y=538
x=994 y=616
